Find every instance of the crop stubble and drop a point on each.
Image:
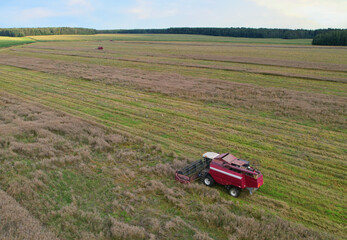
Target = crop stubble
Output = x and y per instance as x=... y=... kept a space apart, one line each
x=316 y=107
x=84 y=181
x=180 y=119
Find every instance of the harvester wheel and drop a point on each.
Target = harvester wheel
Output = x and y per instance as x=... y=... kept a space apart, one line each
x=234 y=191
x=202 y=175
x=208 y=180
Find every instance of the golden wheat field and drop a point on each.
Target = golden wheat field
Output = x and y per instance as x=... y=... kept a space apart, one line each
x=90 y=139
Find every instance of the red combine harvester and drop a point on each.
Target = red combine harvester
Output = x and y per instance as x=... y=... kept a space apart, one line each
x=234 y=173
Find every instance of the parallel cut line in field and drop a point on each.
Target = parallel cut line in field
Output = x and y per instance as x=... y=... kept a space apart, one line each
x=129 y=101
x=288 y=122
x=153 y=53
x=121 y=113
x=234 y=69
x=112 y=124
x=217 y=58
x=138 y=131
x=68 y=100
x=252 y=136
x=221 y=44
x=301 y=151
x=174 y=103
x=288 y=64
x=135 y=113
x=57 y=104
x=254 y=80
x=47 y=97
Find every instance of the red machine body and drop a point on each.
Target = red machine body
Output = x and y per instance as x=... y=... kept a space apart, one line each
x=225 y=169
x=226 y=174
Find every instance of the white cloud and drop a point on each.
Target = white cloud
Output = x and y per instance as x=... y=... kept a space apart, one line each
x=68 y=8
x=36 y=13
x=175 y=13
x=146 y=9
x=323 y=13
x=82 y=4
x=249 y=13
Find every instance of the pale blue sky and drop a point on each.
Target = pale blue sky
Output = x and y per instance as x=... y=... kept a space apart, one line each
x=108 y=14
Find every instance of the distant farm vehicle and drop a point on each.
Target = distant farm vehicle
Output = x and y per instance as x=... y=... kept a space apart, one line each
x=100 y=48
x=234 y=173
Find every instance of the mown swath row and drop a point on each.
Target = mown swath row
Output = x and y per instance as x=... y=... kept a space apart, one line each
x=67 y=102
x=330 y=88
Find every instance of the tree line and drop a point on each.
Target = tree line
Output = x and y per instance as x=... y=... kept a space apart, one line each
x=21 y=32
x=332 y=38
x=231 y=32
x=320 y=36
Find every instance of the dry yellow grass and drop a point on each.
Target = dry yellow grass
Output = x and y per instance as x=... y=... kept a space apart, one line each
x=293 y=128
x=87 y=182
x=97 y=37
x=16 y=223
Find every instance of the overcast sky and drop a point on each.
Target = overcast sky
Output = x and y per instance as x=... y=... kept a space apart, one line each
x=116 y=14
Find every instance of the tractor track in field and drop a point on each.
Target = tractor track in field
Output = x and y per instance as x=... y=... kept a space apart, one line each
x=152 y=108
x=164 y=126
x=230 y=44
x=153 y=137
x=115 y=126
x=105 y=109
x=66 y=101
x=214 y=67
x=222 y=44
x=264 y=200
x=329 y=107
x=214 y=58
x=170 y=111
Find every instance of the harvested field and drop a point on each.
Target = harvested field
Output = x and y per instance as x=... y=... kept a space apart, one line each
x=13 y=41
x=316 y=107
x=135 y=59
x=162 y=108
x=226 y=68
x=17 y=223
x=83 y=181
x=177 y=38
x=215 y=58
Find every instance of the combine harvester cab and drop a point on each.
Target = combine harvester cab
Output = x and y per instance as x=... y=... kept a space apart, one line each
x=235 y=174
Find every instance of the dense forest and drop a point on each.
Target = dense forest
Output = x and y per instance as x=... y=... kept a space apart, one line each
x=332 y=38
x=21 y=32
x=320 y=36
x=231 y=32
